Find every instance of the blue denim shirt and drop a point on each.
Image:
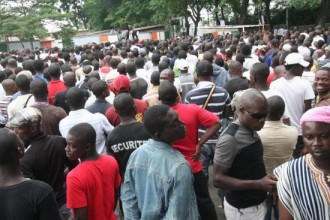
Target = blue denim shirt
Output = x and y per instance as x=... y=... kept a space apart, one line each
x=158 y=185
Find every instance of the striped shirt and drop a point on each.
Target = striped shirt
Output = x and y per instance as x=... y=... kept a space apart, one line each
x=219 y=99
x=302 y=189
x=3 y=106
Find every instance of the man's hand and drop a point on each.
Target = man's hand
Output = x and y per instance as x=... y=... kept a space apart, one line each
x=268 y=183
x=196 y=155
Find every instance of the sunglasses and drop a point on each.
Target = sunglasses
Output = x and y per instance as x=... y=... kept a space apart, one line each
x=256 y=115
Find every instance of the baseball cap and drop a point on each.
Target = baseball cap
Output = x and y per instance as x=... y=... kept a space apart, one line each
x=275 y=42
x=142 y=52
x=183 y=64
x=28 y=116
x=287 y=47
x=295 y=58
x=121 y=84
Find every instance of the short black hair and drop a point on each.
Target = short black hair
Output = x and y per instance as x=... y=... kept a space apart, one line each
x=155 y=58
x=29 y=65
x=260 y=71
x=246 y=50
x=167 y=92
x=276 y=107
x=23 y=83
x=39 y=88
x=54 y=70
x=153 y=118
x=139 y=62
x=130 y=68
x=76 y=98
x=98 y=87
x=154 y=78
x=162 y=66
x=124 y=105
x=204 y=68
x=84 y=132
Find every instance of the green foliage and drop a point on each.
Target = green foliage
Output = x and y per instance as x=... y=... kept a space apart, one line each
x=25 y=19
x=75 y=7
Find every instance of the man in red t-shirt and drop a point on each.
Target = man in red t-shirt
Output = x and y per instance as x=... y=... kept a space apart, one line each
x=121 y=84
x=92 y=185
x=193 y=117
x=55 y=85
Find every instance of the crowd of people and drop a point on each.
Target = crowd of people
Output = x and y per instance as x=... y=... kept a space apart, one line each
x=134 y=127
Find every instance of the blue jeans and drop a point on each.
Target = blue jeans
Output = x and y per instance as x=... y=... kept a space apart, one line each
x=270 y=207
x=206 y=157
x=65 y=213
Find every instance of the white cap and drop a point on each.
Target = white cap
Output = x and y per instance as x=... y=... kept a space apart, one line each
x=182 y=64
x=287 y=47
x=295 y=58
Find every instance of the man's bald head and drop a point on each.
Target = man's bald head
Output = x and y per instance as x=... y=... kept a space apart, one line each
x=235 y=68
x=167 y=74
x=260 y=73
x=279 y=71
x=69 y=79
x=252 y=97
x=253 y=110
x=9 y=86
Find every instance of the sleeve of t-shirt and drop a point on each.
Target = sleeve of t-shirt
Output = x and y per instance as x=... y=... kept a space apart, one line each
x=309 y=92
x=205 y=117
x=225 y=150
x=76 y=197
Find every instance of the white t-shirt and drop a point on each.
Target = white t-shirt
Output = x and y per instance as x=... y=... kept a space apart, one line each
x=309 y=76
x=304 y=51
x=271 y=92
x=249 y=62
x=295 y=91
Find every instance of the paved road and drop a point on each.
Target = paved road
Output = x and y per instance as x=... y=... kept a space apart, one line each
x=216 y=199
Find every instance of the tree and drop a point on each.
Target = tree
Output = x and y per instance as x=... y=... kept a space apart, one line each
x=322 y=6
x=76 y=8
x=25 y=19
x=323 y=12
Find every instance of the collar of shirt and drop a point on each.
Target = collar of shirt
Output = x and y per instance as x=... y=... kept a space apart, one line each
x=204 y=84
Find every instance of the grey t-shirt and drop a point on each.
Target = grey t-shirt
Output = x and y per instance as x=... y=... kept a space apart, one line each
x=240 y=149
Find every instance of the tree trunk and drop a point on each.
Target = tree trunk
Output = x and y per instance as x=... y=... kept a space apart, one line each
x=217 y=19
x=195 y=27
x=323 y=12
x=268 y=18
x=187 y=25
x=222 y=13
x=245 y=4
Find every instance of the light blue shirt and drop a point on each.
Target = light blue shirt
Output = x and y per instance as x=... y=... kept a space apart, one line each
x=158 y=184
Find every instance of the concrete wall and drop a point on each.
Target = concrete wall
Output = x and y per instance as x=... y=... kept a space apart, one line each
x=18 y=45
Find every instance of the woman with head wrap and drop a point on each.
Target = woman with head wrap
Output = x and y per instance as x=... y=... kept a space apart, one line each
x=304 y=184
